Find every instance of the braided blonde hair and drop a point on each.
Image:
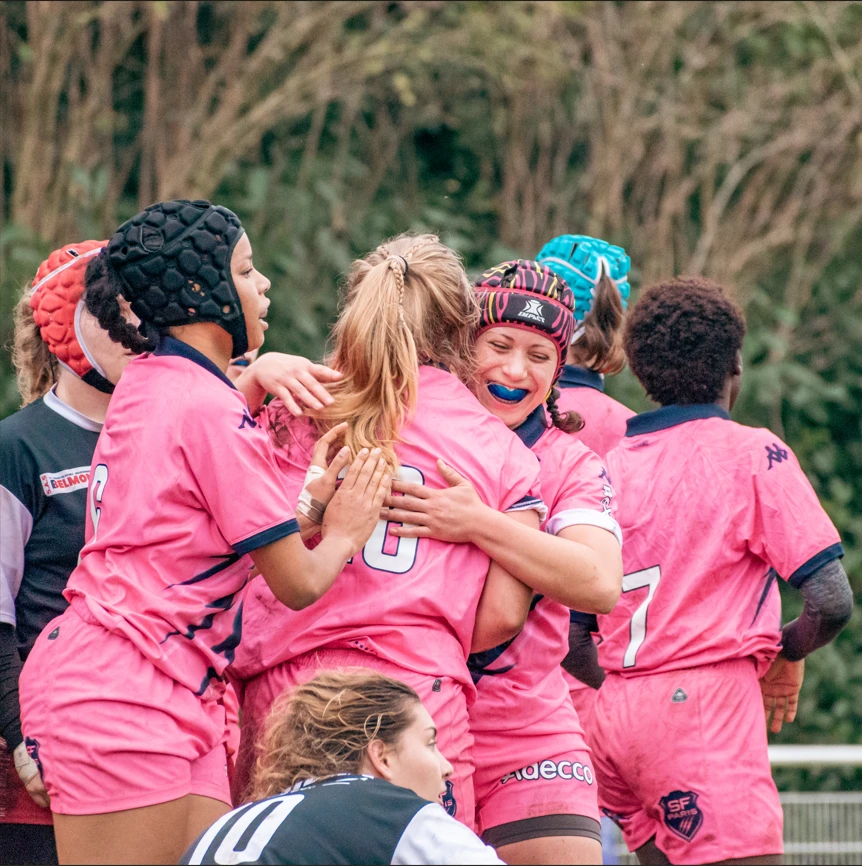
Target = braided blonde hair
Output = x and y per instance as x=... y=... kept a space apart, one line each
x=407 y=303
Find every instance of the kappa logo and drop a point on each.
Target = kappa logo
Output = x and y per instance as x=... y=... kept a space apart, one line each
x=534 y=310
x=776 y=454
x=681 y=814
x=448 y=799
x=547 y=769
x=66 y=481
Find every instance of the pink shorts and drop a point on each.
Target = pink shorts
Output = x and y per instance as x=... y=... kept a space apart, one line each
x=109 y=730
x=443 y=697
x=682 y=756
x=583 y=700
x=535 y=782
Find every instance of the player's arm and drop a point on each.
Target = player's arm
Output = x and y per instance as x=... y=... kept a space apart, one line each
x=582 y=659
x=505 y=601
x=828 y=606
x=297 y=576
x=295 y=380
x=580 y=567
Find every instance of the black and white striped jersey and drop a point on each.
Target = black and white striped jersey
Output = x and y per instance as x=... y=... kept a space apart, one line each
x=45 y=453
x=340 y=820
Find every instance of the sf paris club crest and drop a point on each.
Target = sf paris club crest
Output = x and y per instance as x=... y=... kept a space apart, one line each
x=681 y=814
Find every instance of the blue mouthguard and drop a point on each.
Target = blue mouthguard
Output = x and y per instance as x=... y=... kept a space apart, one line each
x=510 y=395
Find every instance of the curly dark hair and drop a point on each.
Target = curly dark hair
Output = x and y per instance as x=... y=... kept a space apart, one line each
x=681 y=340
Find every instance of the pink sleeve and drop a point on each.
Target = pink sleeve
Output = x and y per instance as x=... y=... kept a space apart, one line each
x=231 y=460
x=789 y=528
x=519 y=480
x=585 y=496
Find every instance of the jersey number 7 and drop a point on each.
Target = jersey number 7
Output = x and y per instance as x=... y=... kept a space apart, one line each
x=637 y=630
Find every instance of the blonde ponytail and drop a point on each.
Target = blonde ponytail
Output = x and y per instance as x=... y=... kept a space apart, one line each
x=407 y=303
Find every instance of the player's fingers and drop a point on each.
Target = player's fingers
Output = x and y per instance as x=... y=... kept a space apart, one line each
x=416 y=490
x=286 y=397
x=338 y=463
x=355 y=468
x=322 y=446
x=382 y=484
x=322 y=373
x=450 y=476
x=778 y=715
x=366 y=471
x=314 y=386
x=792 y=706
x=410 y=531
x=303 y=395
x=409 y=503
x=374 y=465
x=396 y=515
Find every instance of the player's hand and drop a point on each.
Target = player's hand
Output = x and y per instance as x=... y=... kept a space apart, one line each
x=28 y=773
x=780 y=688
x=296 y=381
x=354 y=510
x=448 y=515
x=323 y=488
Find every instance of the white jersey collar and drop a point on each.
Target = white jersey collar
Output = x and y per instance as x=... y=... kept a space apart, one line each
x=52 y=401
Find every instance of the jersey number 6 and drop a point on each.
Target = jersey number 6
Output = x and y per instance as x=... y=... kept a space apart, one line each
x=637 y=630
x=404 y=556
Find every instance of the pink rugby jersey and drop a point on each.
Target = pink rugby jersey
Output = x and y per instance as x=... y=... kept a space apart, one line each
x=521 y=682
x=410 y=601
x=183 y=485
x=712 y=511
x=583 y=391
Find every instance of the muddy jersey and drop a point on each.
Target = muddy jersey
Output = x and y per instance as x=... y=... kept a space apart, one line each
x=410 y=601
x=713 y=512
x=183 y=485
x=583 y=391
x=521 y=682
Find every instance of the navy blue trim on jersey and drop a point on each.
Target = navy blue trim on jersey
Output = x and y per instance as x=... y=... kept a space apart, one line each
x=268 y=536
x=172 y=346
x=834 y=551
x=671 y=416
x=580 y=377
x=590 y=620
x=771 y=576
x=531 y=430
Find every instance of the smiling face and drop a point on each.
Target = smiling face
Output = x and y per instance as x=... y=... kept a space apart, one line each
x=515 y=371
x=251 y=287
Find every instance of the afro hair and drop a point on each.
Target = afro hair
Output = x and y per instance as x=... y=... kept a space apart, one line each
x=681 y=340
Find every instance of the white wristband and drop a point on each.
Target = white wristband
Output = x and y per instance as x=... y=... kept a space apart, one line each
x=311 y=508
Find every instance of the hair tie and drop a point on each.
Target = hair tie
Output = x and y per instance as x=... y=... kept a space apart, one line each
x=404 y=268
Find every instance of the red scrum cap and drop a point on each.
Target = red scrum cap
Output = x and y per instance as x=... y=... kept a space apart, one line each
x=57 y=302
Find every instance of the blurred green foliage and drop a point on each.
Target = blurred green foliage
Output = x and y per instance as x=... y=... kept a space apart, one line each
x=721 y=137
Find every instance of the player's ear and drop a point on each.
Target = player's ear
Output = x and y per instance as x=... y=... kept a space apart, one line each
x=379 y=755
x=737 y=369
